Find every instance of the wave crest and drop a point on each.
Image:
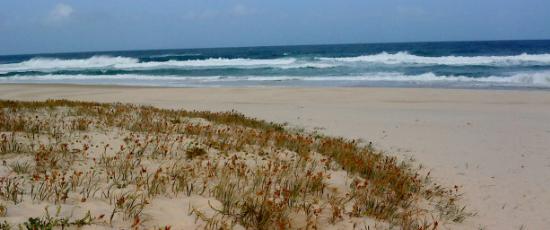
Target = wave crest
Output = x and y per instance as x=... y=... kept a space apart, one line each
x=384 y=58
x=210 y=62
x=406 y=58
x=535 y=79
x=40 y=64
x=126 y=63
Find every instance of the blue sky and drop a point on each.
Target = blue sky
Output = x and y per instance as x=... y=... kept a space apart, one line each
x=33 y=26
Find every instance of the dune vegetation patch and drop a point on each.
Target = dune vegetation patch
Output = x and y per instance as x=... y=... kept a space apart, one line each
x=73 y=164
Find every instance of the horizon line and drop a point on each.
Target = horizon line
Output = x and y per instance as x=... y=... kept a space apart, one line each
x=267 y=46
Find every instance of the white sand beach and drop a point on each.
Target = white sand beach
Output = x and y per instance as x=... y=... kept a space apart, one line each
x=495 y=144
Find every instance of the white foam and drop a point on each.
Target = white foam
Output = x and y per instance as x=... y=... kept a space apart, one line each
x=406 y=58
x=400 y=58
x=211 y=62
x=125 y=63
x=528 y=79
x=541 y=79
x=41 y=64
x=282 y=63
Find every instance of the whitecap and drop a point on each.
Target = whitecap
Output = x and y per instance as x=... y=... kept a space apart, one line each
x=406 y=58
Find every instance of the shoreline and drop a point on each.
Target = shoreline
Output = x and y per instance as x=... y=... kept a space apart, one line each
x=490 y=142
x=73 y=85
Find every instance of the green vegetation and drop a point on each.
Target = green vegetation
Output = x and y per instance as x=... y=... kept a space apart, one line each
x=263 y=175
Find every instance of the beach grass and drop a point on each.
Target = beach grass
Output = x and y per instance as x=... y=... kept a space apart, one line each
x=109 y=165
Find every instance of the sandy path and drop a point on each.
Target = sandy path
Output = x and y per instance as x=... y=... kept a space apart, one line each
x=496 y=144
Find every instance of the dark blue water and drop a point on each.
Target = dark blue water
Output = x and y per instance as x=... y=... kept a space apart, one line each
x=516 y=64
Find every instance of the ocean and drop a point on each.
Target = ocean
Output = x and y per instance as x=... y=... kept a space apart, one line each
x=484 y=64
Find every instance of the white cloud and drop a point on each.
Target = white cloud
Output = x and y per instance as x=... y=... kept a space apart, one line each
x=60 y=12
x=241 y=10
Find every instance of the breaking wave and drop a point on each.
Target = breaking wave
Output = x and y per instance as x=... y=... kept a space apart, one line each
x=305 y=68
x=126 y=63
x=536 y=79
x=406 y=58
x=399 y=58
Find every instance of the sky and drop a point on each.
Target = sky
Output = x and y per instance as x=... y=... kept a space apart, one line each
x=43 y=26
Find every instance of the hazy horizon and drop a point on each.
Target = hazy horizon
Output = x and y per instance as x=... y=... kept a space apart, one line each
x=268 y=45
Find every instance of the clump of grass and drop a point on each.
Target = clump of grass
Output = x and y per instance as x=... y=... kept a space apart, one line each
x=131 y=205
x=9 y=143
x=20 y=167
x=5 y=225
x=195 y=152
x=12 y=189
x=3 y=211
x=50 y=187
x=215 y=222
x=51 y=222
x=80 y=124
